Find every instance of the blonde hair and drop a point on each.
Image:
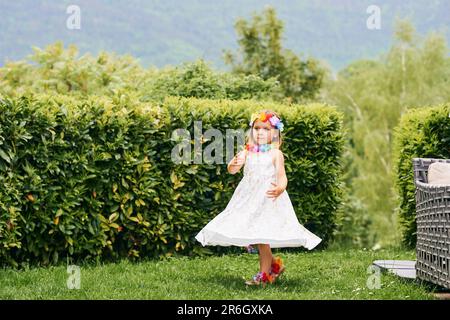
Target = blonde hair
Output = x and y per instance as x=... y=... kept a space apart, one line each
x=249 y=135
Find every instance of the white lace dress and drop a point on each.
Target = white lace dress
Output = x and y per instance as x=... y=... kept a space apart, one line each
x=251 y=217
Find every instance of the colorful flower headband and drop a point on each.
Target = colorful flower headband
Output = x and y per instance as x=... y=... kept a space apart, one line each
x=264 y=117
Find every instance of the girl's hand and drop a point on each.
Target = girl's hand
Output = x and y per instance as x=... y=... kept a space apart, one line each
x=275 y=191
x=238 y=159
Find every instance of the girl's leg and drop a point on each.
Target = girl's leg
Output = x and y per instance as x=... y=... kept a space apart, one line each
x=265 y=258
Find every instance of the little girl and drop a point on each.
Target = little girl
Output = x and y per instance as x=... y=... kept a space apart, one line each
x=260 y=211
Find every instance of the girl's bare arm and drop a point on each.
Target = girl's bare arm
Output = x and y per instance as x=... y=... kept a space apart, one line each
x=281 y=177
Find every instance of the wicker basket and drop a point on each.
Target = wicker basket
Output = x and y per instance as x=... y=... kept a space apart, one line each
x=433 y=225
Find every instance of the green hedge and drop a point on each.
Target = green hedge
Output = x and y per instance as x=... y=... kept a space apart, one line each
x=94 y=178
x=421 y=133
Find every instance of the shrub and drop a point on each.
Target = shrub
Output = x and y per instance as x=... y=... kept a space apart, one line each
x=421 y=133
x=93 y=178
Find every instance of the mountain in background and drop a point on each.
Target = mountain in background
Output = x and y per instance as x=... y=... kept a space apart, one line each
x=173 y=31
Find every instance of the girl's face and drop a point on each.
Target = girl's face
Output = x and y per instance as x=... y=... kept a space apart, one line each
x=262 y=132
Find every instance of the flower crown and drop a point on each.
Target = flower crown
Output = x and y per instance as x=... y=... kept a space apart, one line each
x=264 y=117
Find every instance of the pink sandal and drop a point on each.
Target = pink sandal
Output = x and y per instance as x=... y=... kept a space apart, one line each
x=260 y=278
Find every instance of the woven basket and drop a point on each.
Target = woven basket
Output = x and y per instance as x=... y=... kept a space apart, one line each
x=433 y=225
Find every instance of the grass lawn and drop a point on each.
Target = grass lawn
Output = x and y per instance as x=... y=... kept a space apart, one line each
x=331 y=274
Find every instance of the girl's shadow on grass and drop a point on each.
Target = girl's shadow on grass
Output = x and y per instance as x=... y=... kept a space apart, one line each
x=236 y=282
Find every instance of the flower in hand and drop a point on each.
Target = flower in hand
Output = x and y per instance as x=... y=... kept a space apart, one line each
x=238 y=161
x=275 y=191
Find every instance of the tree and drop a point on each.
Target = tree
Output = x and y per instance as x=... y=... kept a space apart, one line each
x=59 y=69
x=373 y=94
x=262 y=55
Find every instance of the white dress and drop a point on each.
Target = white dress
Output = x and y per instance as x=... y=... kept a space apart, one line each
x=251 y=217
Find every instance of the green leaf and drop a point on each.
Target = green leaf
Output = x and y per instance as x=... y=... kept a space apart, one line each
x=113 y=217
x=5 y=156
